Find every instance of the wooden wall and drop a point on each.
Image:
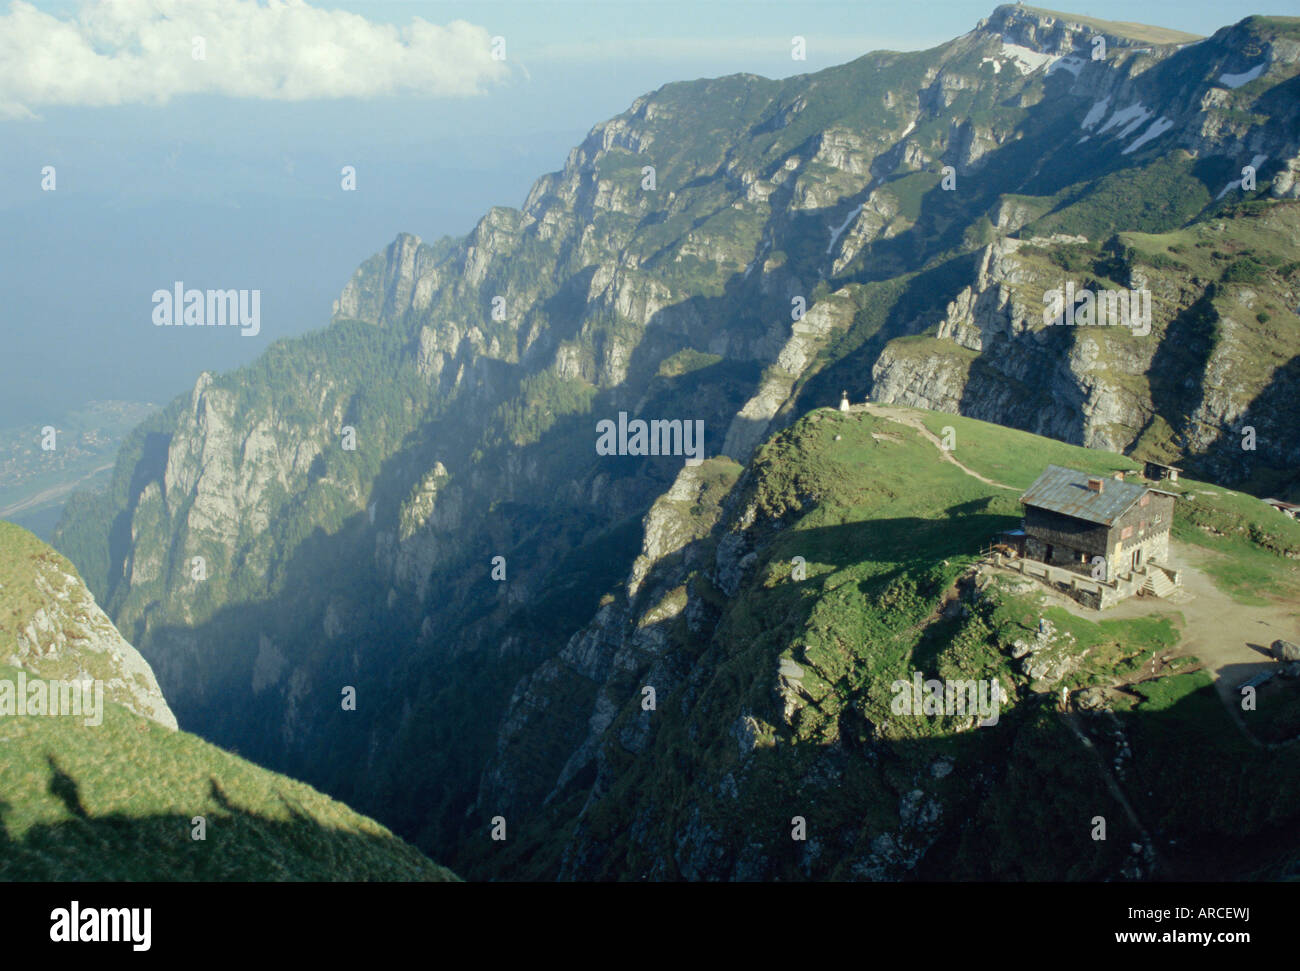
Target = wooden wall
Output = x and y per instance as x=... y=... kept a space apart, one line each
x=1066 y=532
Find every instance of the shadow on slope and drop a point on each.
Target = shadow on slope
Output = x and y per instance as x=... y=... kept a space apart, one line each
x=239 y=846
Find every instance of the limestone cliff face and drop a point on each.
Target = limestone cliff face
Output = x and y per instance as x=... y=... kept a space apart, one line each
x=994 y=357
x=652 y=656
x=631 y=645
x=53 y=629
x=991 y=358
x=1023 y=378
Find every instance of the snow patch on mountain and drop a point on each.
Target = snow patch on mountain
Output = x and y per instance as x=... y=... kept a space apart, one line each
x=1158 y=128
x=1095 y=114
x=1237 y=80
x=1131 y=118
x=1255 y=163
x=1026 y=59
x=1070 y=62
x=839 y=230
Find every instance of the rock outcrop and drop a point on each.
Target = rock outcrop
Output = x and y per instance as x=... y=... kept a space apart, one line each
x=55 y=631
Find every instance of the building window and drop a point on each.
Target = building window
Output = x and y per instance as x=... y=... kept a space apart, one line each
x=1146 y=497
x=1128 y=531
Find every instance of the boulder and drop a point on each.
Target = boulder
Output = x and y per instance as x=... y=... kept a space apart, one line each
x=1286 y=650
x=1092 y=698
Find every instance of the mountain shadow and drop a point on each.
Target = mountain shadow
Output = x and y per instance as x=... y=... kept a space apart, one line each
x=237 y=845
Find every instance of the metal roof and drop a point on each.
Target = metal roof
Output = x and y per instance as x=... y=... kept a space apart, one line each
x=1066 y=491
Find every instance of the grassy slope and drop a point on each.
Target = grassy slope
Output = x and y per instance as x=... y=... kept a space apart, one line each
x=1123 y=28
x=1252 y=538
x=896 y=522
x=116 y=801
x=886 y=528
x=19 y=597
x=23 y=558
x=881 y=535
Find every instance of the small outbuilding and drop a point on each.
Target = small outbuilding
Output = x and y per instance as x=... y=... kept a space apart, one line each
x=1158 y=473
x=1291 y=509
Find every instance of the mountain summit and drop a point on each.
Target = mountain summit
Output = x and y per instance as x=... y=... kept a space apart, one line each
x=1053 y=32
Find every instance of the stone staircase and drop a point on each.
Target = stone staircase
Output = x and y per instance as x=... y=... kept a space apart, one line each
x=1158 y=583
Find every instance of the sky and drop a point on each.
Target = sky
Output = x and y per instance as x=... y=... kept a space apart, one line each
x=224 y=171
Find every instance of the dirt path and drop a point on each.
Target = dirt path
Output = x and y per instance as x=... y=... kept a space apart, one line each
x=1230 y=638
x=903 y=417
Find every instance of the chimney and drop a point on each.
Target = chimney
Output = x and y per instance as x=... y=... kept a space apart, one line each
x=1095 y=485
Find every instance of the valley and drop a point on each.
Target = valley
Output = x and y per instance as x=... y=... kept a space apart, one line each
x=35 y=480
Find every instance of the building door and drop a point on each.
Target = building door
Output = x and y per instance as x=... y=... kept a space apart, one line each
x=1137 y=558
x=1047 y=557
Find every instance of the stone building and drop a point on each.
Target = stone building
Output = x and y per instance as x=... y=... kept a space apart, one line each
x=1072 y=517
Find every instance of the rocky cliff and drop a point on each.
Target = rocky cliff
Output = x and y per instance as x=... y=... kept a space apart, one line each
x=53 y=629
x=1215 y=106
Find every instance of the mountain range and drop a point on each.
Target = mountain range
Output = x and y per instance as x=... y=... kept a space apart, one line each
x=411 y=504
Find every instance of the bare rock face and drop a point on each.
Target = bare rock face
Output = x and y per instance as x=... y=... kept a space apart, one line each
x=755 y=421
x=994 y=357
x=55 y=630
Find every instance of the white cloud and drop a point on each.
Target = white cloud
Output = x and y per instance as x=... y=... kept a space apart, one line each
x=115 y=52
